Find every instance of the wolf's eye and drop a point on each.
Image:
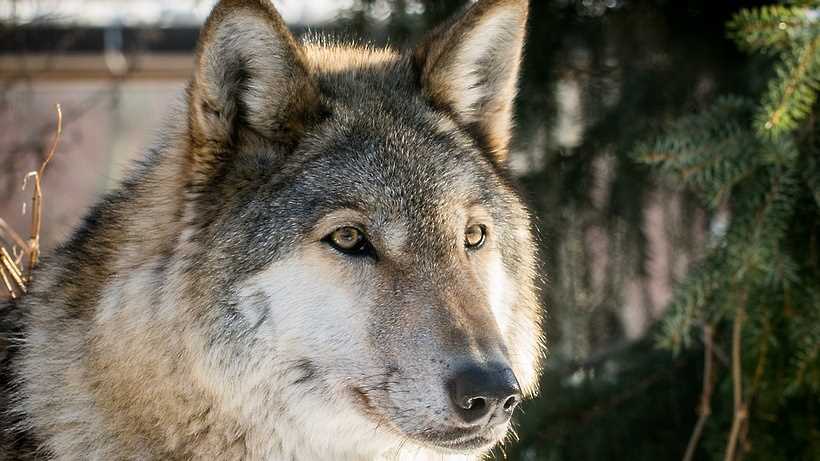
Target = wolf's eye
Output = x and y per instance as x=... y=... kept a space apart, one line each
x=349 y=240
x=475 y=236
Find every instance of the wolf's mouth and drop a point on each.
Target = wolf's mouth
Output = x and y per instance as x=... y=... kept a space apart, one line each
x=460 y=439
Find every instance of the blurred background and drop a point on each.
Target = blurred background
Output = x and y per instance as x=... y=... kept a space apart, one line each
x=600 y=77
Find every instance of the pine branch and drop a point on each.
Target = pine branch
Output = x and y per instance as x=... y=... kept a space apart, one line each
x=761 y=214
x=770 y=29
x=711 y=152
x=761 y=160
x=811 y=176
x=805 y=335
x=791 y=95
x=701 y=288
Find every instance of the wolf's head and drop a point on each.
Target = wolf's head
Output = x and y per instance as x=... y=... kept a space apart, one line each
x=367 y=267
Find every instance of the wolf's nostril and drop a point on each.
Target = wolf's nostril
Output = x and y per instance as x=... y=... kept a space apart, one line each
x=481 y=395
x=511 y=403
x=475 y=404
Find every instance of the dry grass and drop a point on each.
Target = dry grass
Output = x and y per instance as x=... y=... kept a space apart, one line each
x=19 y=257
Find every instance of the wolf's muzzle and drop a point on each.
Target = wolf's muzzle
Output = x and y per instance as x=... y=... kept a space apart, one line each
x=484 y=395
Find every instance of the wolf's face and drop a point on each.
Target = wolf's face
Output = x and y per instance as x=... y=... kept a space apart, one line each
x=375 y=266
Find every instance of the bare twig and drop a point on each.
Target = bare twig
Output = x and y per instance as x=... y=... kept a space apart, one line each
x=37 y=198
x=763 y=348
x=705 y=408
x=12 y=237
x=7 y=283
x=13 y=273
x=741 y=412
x=8 y=264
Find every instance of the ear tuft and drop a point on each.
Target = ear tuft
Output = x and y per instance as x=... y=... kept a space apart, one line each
x=251 y=80
x=470 y=66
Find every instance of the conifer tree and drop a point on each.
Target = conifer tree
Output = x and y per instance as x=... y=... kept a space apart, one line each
x=754 y=299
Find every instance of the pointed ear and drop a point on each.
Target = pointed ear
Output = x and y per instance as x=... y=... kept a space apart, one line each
x=470 y=66
x=251 y=80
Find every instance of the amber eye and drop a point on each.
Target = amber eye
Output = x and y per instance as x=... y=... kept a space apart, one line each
x=349 y=240
x=474 y=236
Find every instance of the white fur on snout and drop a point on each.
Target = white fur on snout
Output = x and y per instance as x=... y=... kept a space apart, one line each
x=316 y=313
x=500 y=293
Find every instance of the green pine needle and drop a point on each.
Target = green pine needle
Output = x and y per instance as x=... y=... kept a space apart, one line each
x=791 y=95
x=771 y=29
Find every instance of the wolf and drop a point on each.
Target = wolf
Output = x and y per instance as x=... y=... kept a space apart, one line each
x=325 y=258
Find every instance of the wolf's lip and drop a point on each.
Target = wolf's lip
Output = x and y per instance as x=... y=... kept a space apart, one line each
x=472 y=443
x=460 y=439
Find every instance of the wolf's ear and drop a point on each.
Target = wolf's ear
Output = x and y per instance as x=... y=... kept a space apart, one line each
x=470 y=66
x=251 y=80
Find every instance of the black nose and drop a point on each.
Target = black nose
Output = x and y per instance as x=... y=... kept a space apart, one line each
x=482 y=394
